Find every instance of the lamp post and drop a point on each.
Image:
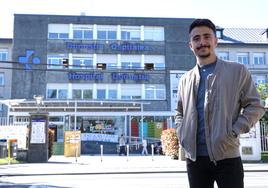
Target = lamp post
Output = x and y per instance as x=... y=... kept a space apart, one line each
x=39 y=101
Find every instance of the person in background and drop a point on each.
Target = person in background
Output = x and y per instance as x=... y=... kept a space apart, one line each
x=122 y=145
x=144 y=147
x=217 y=101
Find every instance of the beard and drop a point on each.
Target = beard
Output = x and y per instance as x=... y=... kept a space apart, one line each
x=201 y=54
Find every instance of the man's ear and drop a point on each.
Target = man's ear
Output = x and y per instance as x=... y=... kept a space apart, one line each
x=190 y=46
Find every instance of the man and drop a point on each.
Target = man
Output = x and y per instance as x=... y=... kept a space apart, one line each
x=122 y=145
x=217 y=101
x=144 y=147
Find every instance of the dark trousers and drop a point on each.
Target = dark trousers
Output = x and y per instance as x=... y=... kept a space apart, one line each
x=122 y=150
x=227 y=173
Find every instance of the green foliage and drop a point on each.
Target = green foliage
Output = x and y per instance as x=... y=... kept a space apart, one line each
x=263 y=90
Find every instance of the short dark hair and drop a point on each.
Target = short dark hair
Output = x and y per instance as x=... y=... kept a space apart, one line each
x=202 y=22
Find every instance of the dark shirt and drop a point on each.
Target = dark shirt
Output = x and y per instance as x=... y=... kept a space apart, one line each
x=204 y=71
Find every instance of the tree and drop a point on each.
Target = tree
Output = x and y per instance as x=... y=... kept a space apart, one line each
x=263 y=91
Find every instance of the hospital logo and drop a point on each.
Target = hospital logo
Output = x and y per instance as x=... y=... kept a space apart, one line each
x=29 y=59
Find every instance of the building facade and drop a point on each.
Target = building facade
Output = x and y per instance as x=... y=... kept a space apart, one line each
x=108 y=76
x=247 y=46
x=5 y=75
x=105 y=76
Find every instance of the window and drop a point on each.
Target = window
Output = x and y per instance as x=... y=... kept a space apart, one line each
x=133 y=92
x=3 y=54
x=87 y=94
x=55 y=61
x=83 y=32
x=130 y=65
x=155 y=92
x=112 y=94
x=62 y=94
x=157 y=60
x=223 y=55
x=77 y=93
x=82 y=62
x=2 y=79
x=109 y=60
x=259 y=79
x=130 y=33
x=52 y=93
x=101 y=93
x=242 y=58
x=154 y=33
x=57 y=91
x=106 y=32
x=258 y=58
x=58 y=31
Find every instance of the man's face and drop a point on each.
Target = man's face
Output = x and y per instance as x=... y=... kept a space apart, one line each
x=203 y=42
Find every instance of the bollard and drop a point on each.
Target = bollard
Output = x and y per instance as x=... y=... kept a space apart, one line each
x=152 y=146
x=101 y=150
x=127 y=151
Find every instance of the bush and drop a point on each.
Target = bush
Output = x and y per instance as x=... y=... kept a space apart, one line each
x=170 y=143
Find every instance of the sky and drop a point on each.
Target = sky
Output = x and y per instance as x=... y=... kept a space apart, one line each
x=224 y=13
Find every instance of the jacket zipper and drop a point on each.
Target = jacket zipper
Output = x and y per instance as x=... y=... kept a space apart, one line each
x=209 y=131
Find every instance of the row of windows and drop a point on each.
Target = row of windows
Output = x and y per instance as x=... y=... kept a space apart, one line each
x=243 y=58
x=3 y=55
x=107 y=91
x=90 y=61
x=105 y=32
x=2 y=79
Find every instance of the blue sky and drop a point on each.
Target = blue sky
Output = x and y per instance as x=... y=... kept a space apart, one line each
x=225 y=13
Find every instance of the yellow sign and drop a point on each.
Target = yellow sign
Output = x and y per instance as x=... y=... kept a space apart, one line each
x=72 y=143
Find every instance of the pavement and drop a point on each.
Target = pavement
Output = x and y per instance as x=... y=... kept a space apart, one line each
x=110 y=164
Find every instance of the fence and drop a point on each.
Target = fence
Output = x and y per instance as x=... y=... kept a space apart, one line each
x=264 y=136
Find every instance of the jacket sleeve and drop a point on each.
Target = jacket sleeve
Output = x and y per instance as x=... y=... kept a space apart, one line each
x=252 y=110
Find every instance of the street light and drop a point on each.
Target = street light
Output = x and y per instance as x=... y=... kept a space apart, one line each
x=39 y=101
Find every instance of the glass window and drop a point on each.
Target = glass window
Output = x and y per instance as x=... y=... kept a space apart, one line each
x=55 y=61
x=87 y=94
x=77 y=94
x=131 y=92
x=100 y=93
x=130 y=65
x=62 y=94
x=58 y=31
x=223 y=55
x=83 y=32
x=112 y=94
x=130 y=33
x=243 y=58
x=155 y=92
x=258 y=58
x=82 y=62
x=2 y=79
x=154 y=33
x=52 y=93
x=3 y=55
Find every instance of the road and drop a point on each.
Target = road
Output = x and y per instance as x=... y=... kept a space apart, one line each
x=130 y=180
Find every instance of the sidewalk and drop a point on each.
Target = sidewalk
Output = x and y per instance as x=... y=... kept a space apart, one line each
x=111 y=164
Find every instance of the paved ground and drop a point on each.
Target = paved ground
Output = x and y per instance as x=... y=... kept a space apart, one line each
x=112 y=172
x=108 y=164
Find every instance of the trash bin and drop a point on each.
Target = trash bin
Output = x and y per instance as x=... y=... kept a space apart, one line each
x=13 y=147
x=3 y=148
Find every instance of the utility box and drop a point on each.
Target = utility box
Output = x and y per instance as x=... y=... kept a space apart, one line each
x=38 y=138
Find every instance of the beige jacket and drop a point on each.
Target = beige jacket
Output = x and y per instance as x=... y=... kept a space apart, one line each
x=232 y=103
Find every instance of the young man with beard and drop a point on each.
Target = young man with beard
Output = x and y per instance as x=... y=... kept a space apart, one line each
x=217 y=101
